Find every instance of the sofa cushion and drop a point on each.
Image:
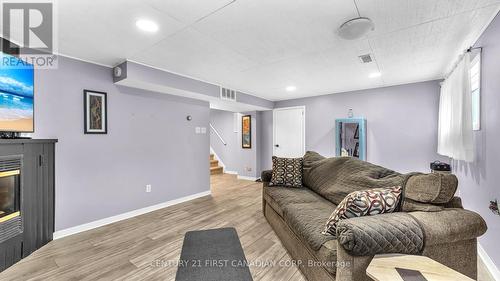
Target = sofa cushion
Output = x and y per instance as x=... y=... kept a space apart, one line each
x=307 y=220
x=286 y=172
x=428 y=192
x=327 y=255
x=299 y=250
x=278 y=197
x=364 y=203
x=436 y=188
x=334 y=178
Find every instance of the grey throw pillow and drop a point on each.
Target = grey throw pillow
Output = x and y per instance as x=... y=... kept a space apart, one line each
x=286 y=172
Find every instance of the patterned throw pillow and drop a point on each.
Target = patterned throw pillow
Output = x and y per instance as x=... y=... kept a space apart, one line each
x=287 y=172
x=364 y=203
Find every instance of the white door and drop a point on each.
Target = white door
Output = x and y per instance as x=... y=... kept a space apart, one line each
x=289 y=131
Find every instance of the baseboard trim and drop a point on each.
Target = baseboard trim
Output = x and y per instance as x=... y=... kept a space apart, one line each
x=247 y=178
x=231 y=172
x=488 y=262
x=98 y=223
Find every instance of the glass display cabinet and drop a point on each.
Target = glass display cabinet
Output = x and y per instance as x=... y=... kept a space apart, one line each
x=350 y=137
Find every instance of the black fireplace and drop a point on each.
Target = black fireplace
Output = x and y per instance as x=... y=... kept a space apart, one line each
x=26 y=197
x=10 y=194
x=11 y=220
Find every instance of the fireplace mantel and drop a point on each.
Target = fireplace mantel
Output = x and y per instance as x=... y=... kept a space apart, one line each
x=30 y=224
x=26 y=141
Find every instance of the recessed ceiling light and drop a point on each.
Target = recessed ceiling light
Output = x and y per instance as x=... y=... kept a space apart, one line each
x=146 y=25
x=375 y=74
x=291 y=88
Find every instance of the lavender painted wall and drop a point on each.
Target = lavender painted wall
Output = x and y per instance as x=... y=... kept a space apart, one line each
x=223 y=122
x=402 y=123
x=266 y=140
x=248 y=157
x=146 y=74
x=235 y=158
x=149 y=141
x=479 y=181
x=138 y=74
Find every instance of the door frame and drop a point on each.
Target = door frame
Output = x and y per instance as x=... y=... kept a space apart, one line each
x=303 y=107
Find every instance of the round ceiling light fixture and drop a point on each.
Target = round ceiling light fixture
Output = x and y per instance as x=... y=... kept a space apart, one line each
x=356 y=28
x=146 y=25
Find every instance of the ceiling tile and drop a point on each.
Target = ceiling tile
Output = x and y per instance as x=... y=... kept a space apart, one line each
x=108 y=34
x=260 y=47
x=269 y=31
x=427 y=51
x=190 y=52
x=394 y=15
x=188 y=11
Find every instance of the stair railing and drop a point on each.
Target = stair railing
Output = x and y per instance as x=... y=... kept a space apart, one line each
x=217 y=133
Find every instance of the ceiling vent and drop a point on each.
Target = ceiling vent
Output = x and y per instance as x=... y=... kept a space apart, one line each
x=227 y=94
x=366 y=58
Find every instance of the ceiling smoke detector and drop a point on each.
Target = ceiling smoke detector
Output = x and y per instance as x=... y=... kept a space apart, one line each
x=356 y=28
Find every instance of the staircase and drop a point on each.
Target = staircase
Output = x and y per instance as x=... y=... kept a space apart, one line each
x=215 y=169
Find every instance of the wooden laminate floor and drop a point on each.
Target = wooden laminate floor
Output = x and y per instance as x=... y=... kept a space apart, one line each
x=146 y=247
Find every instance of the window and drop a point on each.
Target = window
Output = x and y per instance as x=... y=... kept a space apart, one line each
x=475 y=83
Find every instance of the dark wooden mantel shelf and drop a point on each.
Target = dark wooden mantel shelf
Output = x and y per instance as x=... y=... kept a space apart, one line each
x=21 y=141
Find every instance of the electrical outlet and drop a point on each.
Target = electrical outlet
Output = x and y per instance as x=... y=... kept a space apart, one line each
x=148 y=188
x=249 y=169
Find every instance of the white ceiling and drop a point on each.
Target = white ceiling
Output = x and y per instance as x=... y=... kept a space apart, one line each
x=260 y=47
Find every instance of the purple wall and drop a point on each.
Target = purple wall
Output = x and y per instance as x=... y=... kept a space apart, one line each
x=159 y=78
x=235 y=158
x=266 y=141
x=480 y=181
x=149 y=141
x=402 y=123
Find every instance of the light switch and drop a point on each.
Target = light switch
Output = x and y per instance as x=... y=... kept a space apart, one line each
x=197 y=130
x=203 y=130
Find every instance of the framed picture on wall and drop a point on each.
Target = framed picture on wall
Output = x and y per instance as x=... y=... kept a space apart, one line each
x=95 y=112
x=246 y=131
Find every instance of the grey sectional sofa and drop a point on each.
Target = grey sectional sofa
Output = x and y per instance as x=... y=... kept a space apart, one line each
x=298 y=215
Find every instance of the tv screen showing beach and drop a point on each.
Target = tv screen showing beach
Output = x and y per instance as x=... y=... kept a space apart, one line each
x=16 y=95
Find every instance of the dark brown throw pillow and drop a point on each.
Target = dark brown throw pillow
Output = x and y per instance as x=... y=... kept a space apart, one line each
x=286 y=172
x=364 y=203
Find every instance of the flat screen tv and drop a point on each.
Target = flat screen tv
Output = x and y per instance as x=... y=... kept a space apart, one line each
x=16 y=95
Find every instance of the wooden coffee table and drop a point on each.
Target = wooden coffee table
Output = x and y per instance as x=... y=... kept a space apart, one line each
x=383 y=268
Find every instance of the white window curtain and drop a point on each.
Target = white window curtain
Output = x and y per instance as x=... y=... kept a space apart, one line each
x=455 y=137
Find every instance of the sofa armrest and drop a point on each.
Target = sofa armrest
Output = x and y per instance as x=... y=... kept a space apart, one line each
x=455 y=202
x=380 y=234
x=450 y=225
x=266 y=176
